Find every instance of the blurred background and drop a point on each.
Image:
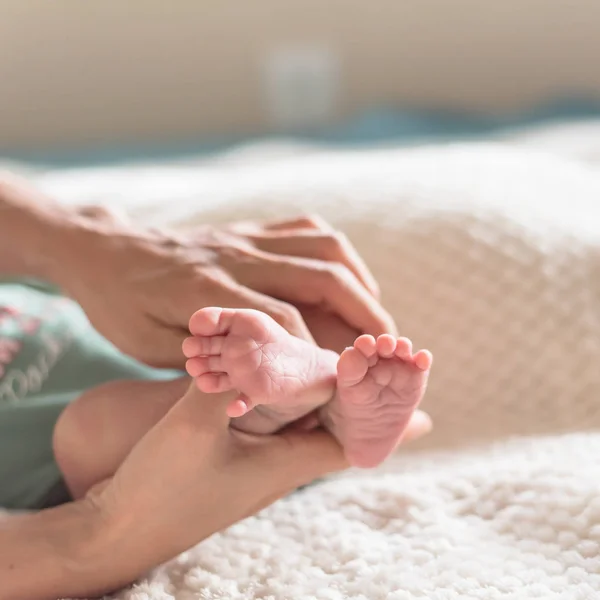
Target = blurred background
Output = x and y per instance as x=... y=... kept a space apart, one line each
x=85 y=80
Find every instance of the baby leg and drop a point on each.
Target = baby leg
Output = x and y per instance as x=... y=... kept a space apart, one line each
x=95 y=433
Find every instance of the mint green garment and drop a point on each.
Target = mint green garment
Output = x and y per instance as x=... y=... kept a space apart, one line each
x=49 y=355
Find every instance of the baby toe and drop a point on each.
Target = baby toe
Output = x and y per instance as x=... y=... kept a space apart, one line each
x=386 y=345
x=366 y=344
x=403 y=348
x=423 y=359
x=352 y=367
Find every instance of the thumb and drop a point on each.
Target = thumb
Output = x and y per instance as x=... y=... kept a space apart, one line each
x=299 y=457
x=303 y=457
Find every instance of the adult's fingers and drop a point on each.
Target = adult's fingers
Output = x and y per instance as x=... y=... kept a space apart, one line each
x=231 y=294
x=296 y=458
x=303 y=222
x=314 y=282
x=419 y=425
x=311 y=222
x=330 y=246
x=310 y=236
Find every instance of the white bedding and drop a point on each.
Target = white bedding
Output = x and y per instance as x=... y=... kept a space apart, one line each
x=488 y=254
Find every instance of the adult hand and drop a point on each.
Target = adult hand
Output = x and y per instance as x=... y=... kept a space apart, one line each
x=328 y=330
x=139 y=287
x=192 y=475
x=187 y=478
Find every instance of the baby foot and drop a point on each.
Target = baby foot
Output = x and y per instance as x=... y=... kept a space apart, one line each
x=281 y=376
x=379 y=385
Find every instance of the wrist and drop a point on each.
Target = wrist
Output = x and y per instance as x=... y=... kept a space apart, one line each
x=51 y=251
x=42 y=239
x=32 y=231
x=98 y=559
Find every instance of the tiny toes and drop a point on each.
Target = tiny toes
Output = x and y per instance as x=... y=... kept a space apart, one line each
x=423 y=359
x=213 y=383
x=352 y=367
x=203 y=364
x=189 y=347
x=203 y=346
x=366 y=344
x=211 y=321
x=403 y=348
x=386 y=345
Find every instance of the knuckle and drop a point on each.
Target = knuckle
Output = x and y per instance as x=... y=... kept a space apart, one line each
x=101 y=213
x=235 y=251
x=334 y=243
x=335 y=275
x=212 y=278
x=315 y=221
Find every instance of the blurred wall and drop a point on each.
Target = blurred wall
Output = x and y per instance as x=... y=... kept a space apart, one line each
x=74 y=73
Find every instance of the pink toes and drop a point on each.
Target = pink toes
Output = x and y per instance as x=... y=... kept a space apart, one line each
x=423 y=360
x=352 y=367
x=203 y=364
x=386 y=345
x=203 y=346
x=203 y=350
x=403 y=348
x=367 y=345
x=355 y=362
x=213 y=383
x=211 y=321
x=389 y=346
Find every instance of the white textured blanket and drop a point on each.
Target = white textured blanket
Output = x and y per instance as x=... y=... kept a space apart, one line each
x=489 y=256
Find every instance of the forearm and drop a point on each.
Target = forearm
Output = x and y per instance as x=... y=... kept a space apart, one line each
x=62 y=552
x=34 y=232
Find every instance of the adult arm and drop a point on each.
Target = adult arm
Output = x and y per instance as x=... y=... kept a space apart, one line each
x=189 y=477
x=64 y=551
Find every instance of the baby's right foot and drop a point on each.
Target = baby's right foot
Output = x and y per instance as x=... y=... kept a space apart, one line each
x=380 y=384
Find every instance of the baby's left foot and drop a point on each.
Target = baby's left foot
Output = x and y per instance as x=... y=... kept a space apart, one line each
x=281 y=377
x=379 y=385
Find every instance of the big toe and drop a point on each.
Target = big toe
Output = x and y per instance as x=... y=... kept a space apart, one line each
x=209 y=321
x=352 y=367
